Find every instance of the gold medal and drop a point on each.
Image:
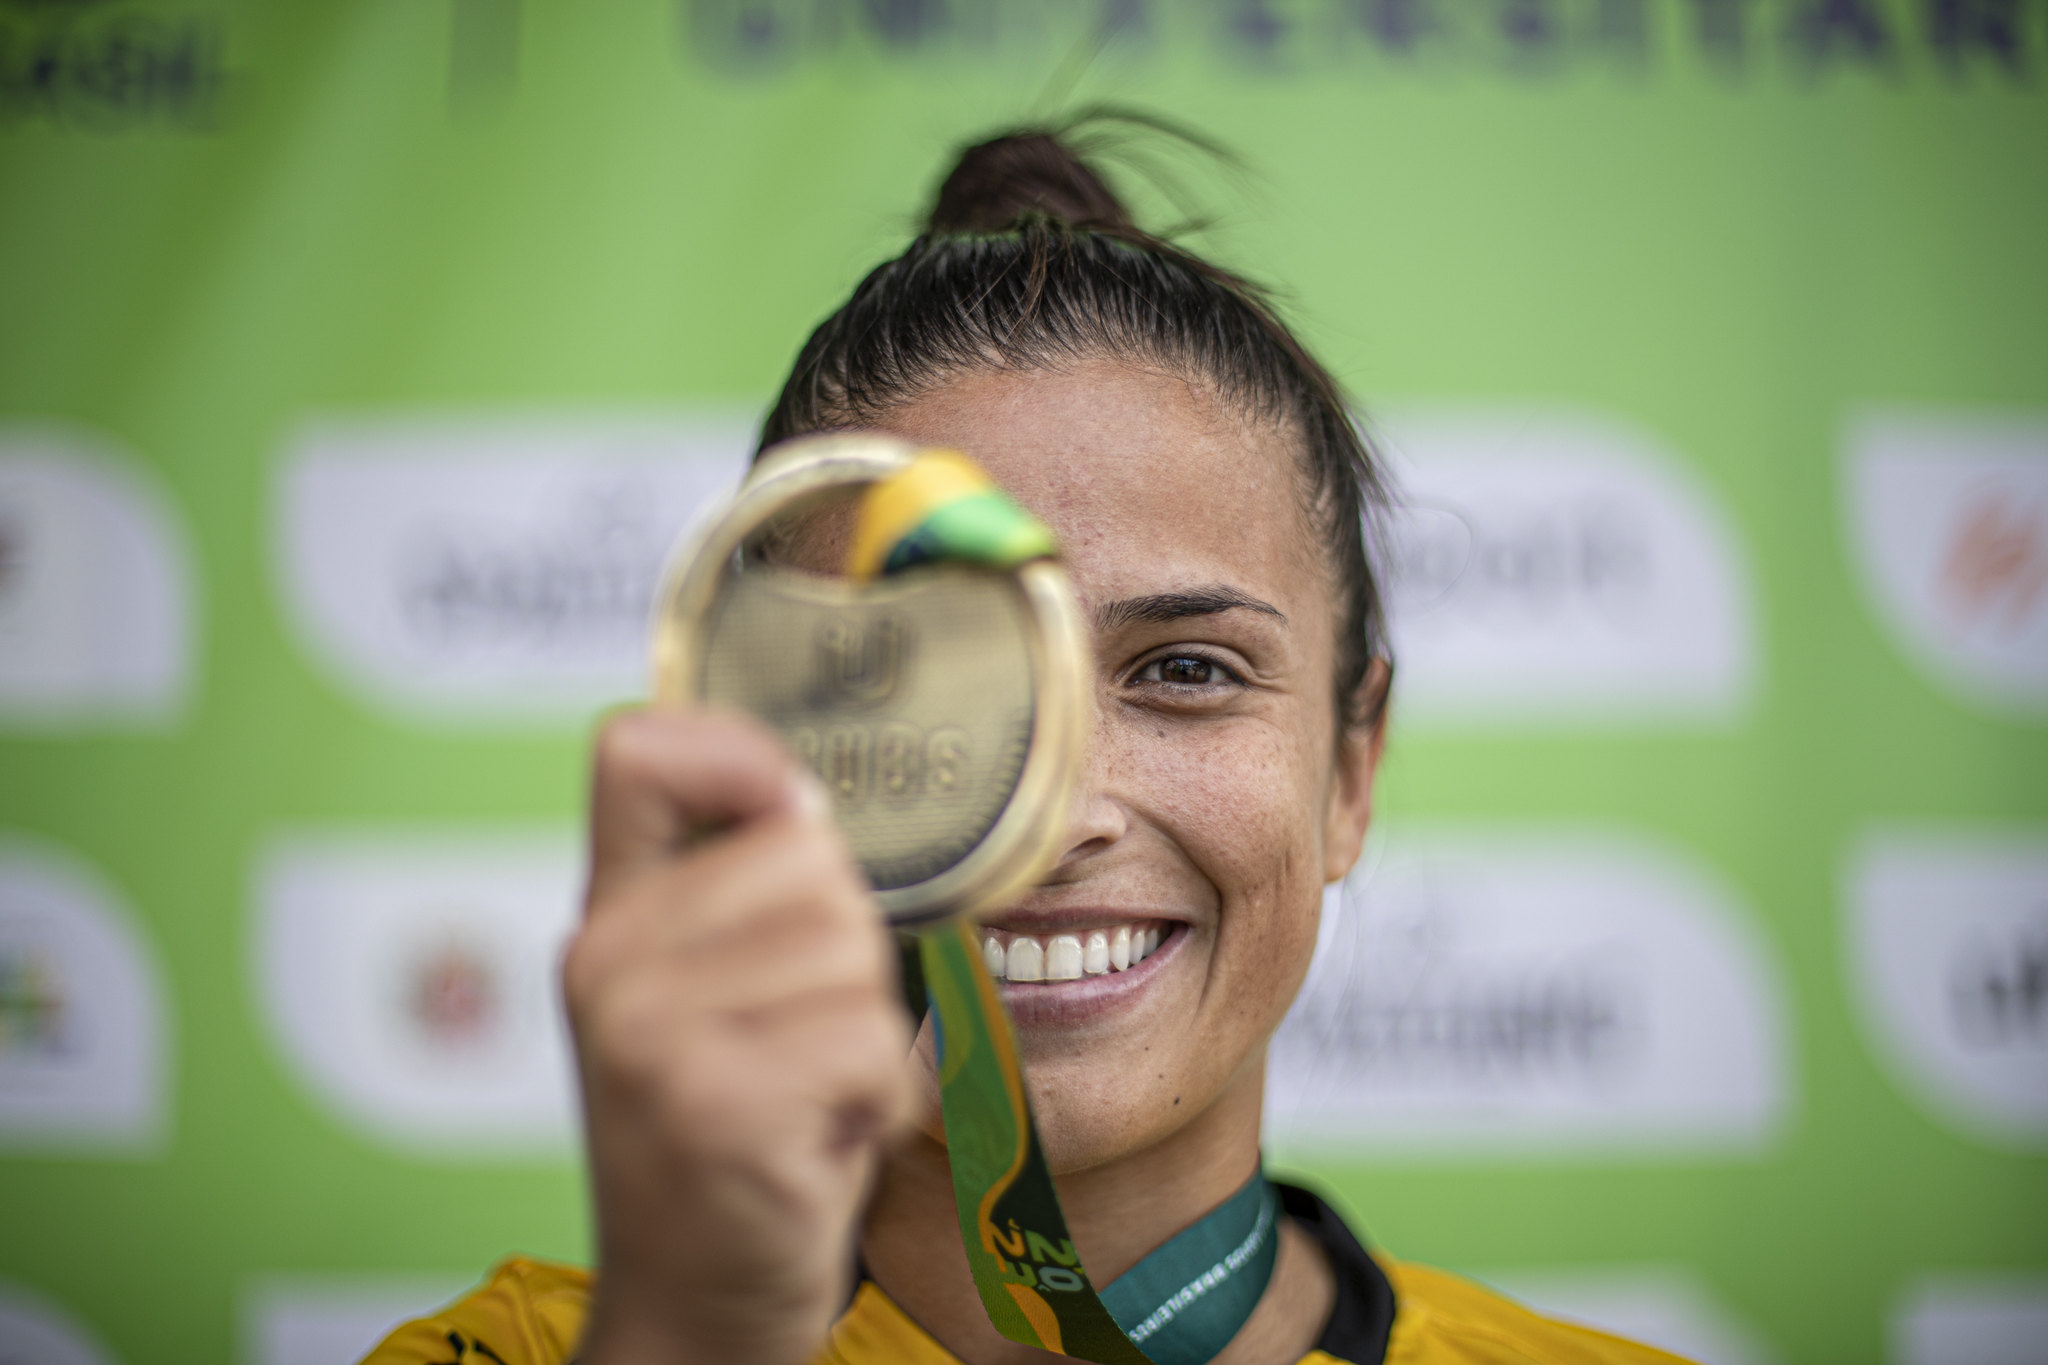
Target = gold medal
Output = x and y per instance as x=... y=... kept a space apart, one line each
x=942 y=705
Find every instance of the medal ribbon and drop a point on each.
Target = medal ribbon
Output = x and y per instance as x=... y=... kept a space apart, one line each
x=1185 y=1301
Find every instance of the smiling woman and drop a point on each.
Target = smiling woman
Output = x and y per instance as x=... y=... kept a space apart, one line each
x=771 y=1179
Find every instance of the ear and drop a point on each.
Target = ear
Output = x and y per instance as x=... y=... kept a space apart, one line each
x=1348 y=811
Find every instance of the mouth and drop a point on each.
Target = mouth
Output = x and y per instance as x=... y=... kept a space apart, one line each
x=1078 y=967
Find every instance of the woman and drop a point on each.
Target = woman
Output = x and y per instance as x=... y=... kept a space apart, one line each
x=769 y=1175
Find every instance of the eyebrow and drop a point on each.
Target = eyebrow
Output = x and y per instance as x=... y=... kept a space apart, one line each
x=1160 y=607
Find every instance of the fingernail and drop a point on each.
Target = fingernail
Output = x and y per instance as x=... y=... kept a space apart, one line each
x=809 y=799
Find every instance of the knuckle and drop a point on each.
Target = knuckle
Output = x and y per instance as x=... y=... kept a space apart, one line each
x=590 y=957
x=621 y=742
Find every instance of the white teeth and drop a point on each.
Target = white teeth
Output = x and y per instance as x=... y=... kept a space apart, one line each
x=1095 y=954
x=1068 y=957
x=1027 y=960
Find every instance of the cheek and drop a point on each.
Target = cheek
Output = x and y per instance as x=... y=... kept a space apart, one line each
x=1242 y=801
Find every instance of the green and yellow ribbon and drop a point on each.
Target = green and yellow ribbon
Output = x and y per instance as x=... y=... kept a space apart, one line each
x=943 y=507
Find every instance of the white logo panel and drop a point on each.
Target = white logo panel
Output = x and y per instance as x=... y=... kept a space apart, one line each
x=1950 y=519
x=1663 y=1306
x=83 y=1030
x=95 y=585
x=1972 y=1319
x=1947 y=937
x=1536 y=992
x=1560 y=568
x=37 y=1332
x=336 y=1319
x=492 y=570
x=410 y=979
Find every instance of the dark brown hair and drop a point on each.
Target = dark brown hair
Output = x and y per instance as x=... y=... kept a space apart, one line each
x=1028 y=260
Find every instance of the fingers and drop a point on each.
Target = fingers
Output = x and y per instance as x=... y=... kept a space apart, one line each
x=665 y=774
x=781 y=887
x=818 y=1068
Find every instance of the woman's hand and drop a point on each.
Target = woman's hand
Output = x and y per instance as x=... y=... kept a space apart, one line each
x=738 y=1028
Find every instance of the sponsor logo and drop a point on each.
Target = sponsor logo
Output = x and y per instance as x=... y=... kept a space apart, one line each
x=33 y=1009
x=410 y=982
x=335 y=1319
x=35 y=1331
x=1526 y=40
x=95 y=67
x=454 y=996
x=1949 y=517
x=492 y=570
x=1558 y=568
x=1947 y=936
x=1663 y=1306
x=95 y=585
x=1971 y=1319
x=1535 y=992
x=83 y=1032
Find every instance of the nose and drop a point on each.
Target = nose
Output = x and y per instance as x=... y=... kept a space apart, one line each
x=1096 y=819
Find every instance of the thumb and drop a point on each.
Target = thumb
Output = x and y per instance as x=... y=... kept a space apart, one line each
x=664 y=775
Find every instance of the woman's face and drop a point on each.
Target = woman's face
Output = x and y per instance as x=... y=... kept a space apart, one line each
x=1217 y=800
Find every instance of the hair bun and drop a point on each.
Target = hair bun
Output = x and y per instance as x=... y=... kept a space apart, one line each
x=1020 y=175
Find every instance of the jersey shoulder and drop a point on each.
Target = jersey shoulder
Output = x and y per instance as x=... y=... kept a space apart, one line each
x=533 y=1313
x=527 y=1312
x=1444 y=1319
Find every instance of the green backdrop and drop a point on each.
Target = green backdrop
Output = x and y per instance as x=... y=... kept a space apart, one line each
x=1728 y=223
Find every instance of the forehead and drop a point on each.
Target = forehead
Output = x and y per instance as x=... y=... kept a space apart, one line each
x=1150 y=481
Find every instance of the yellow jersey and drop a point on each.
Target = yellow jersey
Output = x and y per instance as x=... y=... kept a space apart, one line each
x=1386 y=1313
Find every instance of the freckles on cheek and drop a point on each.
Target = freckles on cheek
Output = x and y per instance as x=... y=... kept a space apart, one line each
x=1237 y=798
